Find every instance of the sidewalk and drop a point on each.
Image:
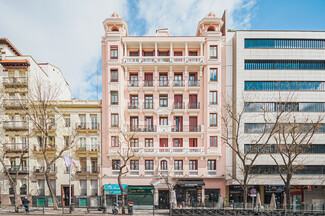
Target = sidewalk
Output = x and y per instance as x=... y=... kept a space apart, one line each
x=77 y=212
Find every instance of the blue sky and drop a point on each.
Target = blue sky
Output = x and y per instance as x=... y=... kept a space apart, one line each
x=68 y=33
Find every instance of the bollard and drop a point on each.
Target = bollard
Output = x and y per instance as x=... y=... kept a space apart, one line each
x=43 y=209
x=62 y=209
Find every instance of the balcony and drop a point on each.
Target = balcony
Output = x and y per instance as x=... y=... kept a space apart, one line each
x=178 y=173
x=83 y=192
x=133 y=107
x=134 y=172
x=163 y=60
x=148 y=85
x=16 y=147
x=193 y=85
x=94 y=192
x=14 y=104
x=212 y=173
x=186 y=128
x=82 y=149
x=148 y=107
x=149 y=173
x=82 y=170
x=163 y=85
x=133 y=85
x=178 y=84
x=12 y=169
x=88 y=127
x=51 y=149
x=140 y=129
x=178 y=107
x=193 y=107
x=15 y=125
x=40 y=170
x=15 y=82
x=166 y=151
x=193 y=173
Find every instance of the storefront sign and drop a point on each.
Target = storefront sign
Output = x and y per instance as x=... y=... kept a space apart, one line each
x=114 y=188
x=309 y=187
x=141 y=190
x=273 y=188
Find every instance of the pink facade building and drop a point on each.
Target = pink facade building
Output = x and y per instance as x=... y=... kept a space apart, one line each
x=166 y=91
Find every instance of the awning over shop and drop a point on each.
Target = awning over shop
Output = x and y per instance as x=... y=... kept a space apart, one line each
x=191 y=183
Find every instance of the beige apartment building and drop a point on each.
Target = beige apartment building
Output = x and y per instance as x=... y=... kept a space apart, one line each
x=19 y=136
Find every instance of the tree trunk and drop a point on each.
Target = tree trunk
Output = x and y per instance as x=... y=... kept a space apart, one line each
x=16 y=197
x=122 y=189
x=48 y=182
x=288 y=198
x=245 y=197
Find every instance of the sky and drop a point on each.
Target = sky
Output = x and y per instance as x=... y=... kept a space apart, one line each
x=67 y=33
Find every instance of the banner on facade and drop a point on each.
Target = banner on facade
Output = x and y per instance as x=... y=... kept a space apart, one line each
x=114 y=189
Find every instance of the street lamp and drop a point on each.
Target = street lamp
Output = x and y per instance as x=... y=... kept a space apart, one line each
x=70 y=207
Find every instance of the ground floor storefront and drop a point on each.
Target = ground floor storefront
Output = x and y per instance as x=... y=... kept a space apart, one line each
x=303 y=197
x=157 y=194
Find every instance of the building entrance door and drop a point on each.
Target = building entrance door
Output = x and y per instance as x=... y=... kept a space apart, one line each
x=65 y=195
x=297 y=202
x=163 y=199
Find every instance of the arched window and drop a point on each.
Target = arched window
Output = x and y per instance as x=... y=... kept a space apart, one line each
x=163 y=165
x=211 y=28
x=114 y=29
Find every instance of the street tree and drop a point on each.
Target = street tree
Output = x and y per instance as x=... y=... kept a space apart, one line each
x=42 y=100
x=235 y=135
x=293 y=139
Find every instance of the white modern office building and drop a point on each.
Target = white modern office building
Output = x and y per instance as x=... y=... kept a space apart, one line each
x=270 y=69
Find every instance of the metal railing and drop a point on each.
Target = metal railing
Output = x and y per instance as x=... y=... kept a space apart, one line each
x=87 y=126
x=148 y=105
x=148 y=83
x=193 y=105
x=14 y=103
x=15 y=125
x=169 y=150
x=15 y=81
x=133 y=105
x=133 y=83
x=179 y=105
x=142 y=128
x=163 y=59
x=186 y=128
x=163 y=83
x=16 y=147
x=179 y=83
x=42 y=169
x=83 y=192
x=89 y=169
x=93 y=148
x=194 y=83
x=14 y=168
x=94 y=192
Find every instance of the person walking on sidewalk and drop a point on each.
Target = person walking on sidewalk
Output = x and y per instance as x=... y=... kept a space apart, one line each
x=26 y=204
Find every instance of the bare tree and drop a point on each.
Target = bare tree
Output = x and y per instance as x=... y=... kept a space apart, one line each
x=234 y=136
x=292 y=139
x=166 y=177
x=40 y=111
x=126 y=152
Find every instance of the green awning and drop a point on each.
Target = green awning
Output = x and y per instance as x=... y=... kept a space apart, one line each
x=142 y=188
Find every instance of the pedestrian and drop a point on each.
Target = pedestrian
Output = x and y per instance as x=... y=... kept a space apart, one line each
x=26 y=204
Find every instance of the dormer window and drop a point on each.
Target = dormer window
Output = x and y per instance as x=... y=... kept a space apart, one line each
x=211 y=28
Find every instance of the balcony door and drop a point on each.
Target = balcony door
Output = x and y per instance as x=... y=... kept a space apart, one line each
x=193 y=102
x=134 y=123
x=178 y=123
x=192 y=79
x=193 y=144
x=134 y=100
x=149 y=123
x=133 y=79
x=178 y=101
x=163 y=144
x=163 y=80
x=148 y=79
x=193 y=124
x=178 y=80
x=148 y=104
x=82 y=121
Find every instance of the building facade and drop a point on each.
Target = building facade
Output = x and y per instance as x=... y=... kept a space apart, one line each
x=267 y=70
x=20 y=75
x=165 y=92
